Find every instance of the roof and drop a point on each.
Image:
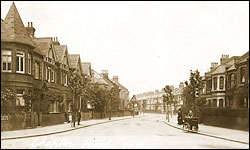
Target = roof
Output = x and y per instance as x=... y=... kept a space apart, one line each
x=178 y=91
x=222 y=67
x=231 y=68
x=60 y=51
x=73 y=60
x=43 y=45
x=244 y=58
x=121 y=86
x=13 y=30
x=98 y=78
x=86 y=68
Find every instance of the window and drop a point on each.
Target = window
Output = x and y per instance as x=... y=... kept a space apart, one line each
x=209 y=104
x=20 y=62
x=245 y=104
x=48 y=74
x=215 y=83
x=231 y=80
x=66 y=79
x=37 y=70
x=209 y=85
x=221 y=83
x=29 y=63
x=52 y=75
x=6 y=61
x=242 y=74
x=214 y=104
x=220 y=102
x=19 y=98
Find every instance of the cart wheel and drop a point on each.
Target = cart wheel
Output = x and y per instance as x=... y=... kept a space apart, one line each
x=195 y=129
x=186 y=127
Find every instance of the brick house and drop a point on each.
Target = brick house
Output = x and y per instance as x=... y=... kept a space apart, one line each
x=123 y=94
x=226 y=85
x=114 y=88
x=17 y=56
x=76 y=66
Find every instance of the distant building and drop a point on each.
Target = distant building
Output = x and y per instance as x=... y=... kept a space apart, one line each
x=123 y=94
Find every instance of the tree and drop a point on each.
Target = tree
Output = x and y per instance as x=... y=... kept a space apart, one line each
x=191 y=91
x=168 y=98
x=8 y=101
x=29 y=102
x=76 y=85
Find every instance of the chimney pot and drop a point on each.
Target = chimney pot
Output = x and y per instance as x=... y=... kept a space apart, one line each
x=31 y=24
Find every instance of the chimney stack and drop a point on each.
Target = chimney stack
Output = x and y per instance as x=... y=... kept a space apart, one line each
x=105 y=74
x=115 y=79
x=213 y=65
x=55 y=41
x=181 y=85
x=30 y=29
x=224 y=58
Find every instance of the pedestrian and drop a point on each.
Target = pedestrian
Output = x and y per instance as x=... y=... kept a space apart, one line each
x=190 y=114
x=74 y=119
x=179 y=118
x=70 y=119
x=78 y=117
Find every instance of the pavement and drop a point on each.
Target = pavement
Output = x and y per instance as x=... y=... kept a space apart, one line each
x=217 y=132
x=54 y=129
x=148 y=131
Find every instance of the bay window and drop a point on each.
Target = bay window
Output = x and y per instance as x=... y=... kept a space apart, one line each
x=20 y=62
x=6 y=61
x=221 y=83
x=215 y=83
x=29 y=63
x=37 y=70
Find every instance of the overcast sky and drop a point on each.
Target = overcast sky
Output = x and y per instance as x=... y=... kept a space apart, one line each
x=147 y=44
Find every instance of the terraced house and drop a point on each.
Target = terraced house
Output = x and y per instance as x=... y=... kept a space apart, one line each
x=39 y=71
x=226 y=85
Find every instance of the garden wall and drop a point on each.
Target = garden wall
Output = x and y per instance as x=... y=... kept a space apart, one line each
x=226 y=117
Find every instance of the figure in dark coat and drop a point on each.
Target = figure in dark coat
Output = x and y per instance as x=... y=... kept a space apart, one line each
x=179 y=118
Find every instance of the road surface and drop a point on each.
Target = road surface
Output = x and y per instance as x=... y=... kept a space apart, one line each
x=148 y=131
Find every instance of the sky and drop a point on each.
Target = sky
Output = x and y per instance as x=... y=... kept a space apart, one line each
x=147 y=44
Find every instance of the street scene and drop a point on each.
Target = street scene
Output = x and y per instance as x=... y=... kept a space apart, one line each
x=123 y=75
x=144 y=131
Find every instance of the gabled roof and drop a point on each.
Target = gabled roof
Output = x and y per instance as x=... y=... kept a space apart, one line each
x=178 y=91
x=98 y=78
x=73 y=60
x=244 y=58
x=86 y=68
x=222 y=67
x=43 y=45
x=60 y=51
x=13 y=30
x=121 y=86
x=231 y=68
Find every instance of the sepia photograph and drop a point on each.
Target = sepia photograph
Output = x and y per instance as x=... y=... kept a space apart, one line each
x=124 y=74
